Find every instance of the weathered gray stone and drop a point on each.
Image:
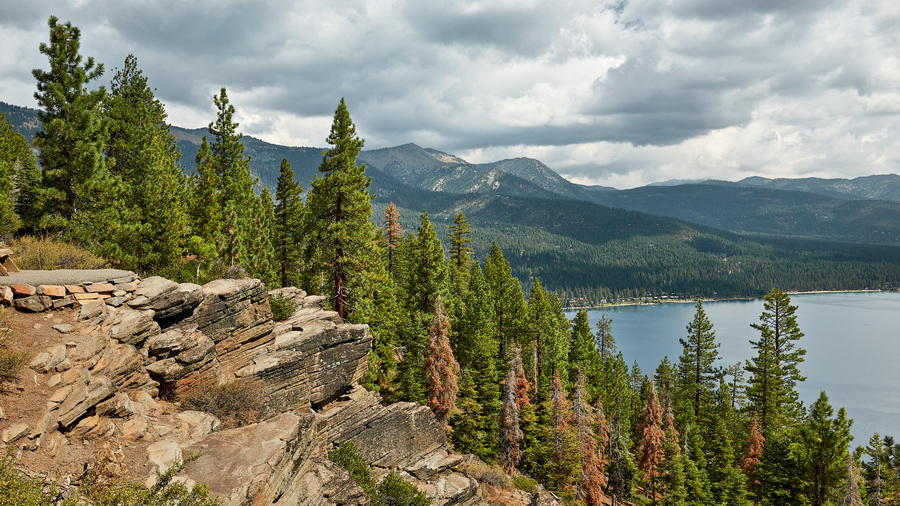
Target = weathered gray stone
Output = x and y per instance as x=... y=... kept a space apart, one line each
x=390 y=436
x=322 y=482
x=64 y=328
x=76 y=406
x=198 y=424
x=281 y=446
x=93 y=310
x=134 y=429
x=116 y=301
x=119 y=405
x=134 y=327
x=6 y=295
x=49 y=359
x=14 y=432
x=34 y=304
x=66 y=301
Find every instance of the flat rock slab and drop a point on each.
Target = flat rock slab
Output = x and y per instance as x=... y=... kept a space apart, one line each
x=65 y=276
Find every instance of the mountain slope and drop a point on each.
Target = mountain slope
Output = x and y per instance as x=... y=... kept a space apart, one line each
x=876 y=187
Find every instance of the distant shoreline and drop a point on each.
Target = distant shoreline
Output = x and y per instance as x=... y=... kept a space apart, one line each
x=711 y=299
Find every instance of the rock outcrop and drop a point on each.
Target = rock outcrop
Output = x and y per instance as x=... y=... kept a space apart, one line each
x=134 y=342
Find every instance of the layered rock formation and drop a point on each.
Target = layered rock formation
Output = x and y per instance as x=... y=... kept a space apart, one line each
x=120 y=358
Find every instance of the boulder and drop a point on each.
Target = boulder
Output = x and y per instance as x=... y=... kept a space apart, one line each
x=92 y=310
x=14 y=432
x=64 y=328
x=169 y=302
x=83 y=398
x=6 y=295
x=49 y=359
x=34 y=303
x=22 y=290
x=66 y=301
x=281 y=446
x=324 y=483
x=119 y=405
x=55 y=291
x=398 y=435
x=133 y=327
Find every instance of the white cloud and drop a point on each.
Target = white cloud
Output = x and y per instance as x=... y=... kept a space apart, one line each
x=611 y=92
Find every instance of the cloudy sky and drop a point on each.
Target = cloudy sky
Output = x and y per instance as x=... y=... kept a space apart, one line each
x=618 y=93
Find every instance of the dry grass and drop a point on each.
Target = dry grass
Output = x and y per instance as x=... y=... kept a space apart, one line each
x=44 y=253
x=236 y=403
x=12 y=360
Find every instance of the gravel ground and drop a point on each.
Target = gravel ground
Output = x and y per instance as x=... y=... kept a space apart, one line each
x=64 y=276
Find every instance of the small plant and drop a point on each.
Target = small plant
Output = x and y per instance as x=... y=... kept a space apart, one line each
x=282 y=307
x=236 y=403
x=12 y=361
x=44 y=253
x=16 y=489
x=392 y=490
x=525 y=483
x=167 y=491
x=347 y=456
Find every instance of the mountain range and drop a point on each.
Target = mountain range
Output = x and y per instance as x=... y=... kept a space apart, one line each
x=562 y=232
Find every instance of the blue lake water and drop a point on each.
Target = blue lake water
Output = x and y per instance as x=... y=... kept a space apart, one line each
x=852 y=342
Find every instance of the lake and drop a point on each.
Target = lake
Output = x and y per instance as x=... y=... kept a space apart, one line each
x=852 y=342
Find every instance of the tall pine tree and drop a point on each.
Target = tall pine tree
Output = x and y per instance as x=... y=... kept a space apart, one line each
x=289 y=226
x=343 y=242
x=73 y=134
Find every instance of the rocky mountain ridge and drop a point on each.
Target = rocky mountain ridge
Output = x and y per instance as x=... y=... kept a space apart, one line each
x=100 y=378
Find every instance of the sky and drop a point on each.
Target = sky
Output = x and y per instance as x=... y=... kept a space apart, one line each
x=617 y=93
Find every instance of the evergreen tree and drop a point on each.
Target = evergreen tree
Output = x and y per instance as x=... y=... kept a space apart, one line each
x=460 y=254
x=143 y=156
x=696 y=370
x=204 y=210
x=73 y=136
x=393 y=234
x=606 y=343
x=237 y=199
x=549 y=329
x=511 y=435
x=876 y=470
x=510 y=309
x=441 y=367
x=261 y=256
x=591 y=480
x=773 y=370
x=563 y=463
x=825 y=440
x=652 y=445
x=289 y=226
x=582 y=353
x=755 y=444
x=15 y=157
x=343 y=241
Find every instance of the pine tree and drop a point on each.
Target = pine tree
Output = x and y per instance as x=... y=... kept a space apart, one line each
x=143 y=155
x=591 y=480
x=696 y=370
x=563 y=463
x=549 y=328
x=393 y=234
x=582 y=353
x=237 y=199
x=604 y=340
x=261 y=255
x=73 y=137
x=204 y=210
x=876 y=470
x=774 y=371
x=511 y=435
x=289 y=226
x=441 y=367
x=755 y=444
x=343 y=242
x=14 y=156
x=825 y=440
x=510 y=309
x=460 y=254
x=652 y=445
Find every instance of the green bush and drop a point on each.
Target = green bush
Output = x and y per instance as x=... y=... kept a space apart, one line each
x=282 y=307
x=347 y=456
x=525 y=483
x=43 y=253
x=393 y=490
x=236 y=403
x=18 y=490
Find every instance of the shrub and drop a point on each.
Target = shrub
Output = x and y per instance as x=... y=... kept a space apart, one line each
x=19 y=490
x=395 y=490
x=347 y=456
x=166 y=492
x=282 y=307
x=236 y=403
x=12 y=361
x=30 y=252
x=525 y=483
